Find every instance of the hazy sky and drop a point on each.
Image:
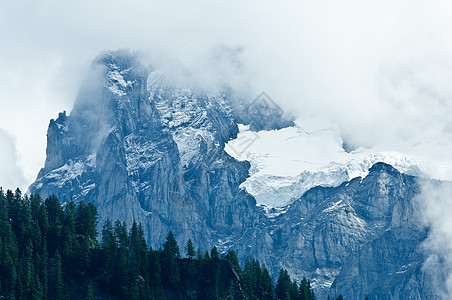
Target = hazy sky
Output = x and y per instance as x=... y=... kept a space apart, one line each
x=379 y=70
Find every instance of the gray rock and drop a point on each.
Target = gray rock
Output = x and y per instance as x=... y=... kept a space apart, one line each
x=143 y=147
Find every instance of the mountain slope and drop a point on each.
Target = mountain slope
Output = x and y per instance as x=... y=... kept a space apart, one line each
x=142 y=144
x=142 y=148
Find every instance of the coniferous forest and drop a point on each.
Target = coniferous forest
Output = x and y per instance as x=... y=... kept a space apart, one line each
x=51 y=251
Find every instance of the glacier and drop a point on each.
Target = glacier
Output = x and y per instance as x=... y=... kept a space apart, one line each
x=148 y=145
x=287 y=162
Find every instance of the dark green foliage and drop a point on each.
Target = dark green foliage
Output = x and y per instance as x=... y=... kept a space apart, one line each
x=170 y=247
x=89 y=293
x=305 y=290
x=214 y=253
x=56 y=286
x=50 y=251
x=55 y=216
x=257 y=279
x=190 y=249
x=170 y=266
x=231 y=257
x=86 y=220
x=284 y=285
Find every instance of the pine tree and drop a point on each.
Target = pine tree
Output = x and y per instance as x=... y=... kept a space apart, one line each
x=137 y=260
x=142 y=250
x=170 y=247
x=89 y=293
x=230 y=292
x=109 y=244
x=54 y=216
x=69 y=237
x=304 y=291
x=190 y=249
x=231 y=257
x=39 y=229
x=170 y=269
x=214 y=253
x=86 y=220
x=267 y=282
x=8 y=252
x=119 y=276
x=55 y=283
x=283 y=286
x=120 y=266
x=155 y=279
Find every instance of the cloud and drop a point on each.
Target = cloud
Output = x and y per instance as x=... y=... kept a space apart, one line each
x=380 y=71
x=435 y=207
x=11 y=175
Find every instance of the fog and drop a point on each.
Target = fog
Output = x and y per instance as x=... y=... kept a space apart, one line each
x=380 y=71
x=436 y=207
x=10 y=172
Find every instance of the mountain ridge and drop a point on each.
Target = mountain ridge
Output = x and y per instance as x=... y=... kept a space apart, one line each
x=144 y=151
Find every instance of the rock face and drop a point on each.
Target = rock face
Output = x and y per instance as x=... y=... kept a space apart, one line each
x=142 y=146
x=362 y=237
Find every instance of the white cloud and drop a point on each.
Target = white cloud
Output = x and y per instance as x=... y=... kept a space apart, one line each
x=435 y=206
x=378 y=70
x=11 y=175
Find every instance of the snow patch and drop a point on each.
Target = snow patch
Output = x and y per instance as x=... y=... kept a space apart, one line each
x=115 y=78
x=114 y=89
x=70 y=171
x=286 y=163
x=332 y=207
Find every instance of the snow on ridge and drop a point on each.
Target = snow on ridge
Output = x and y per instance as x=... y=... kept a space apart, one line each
x=71 y=170
x=115 y=81
x=139 y=154
x=184 y=113
x=189 y=141
x=288 y=162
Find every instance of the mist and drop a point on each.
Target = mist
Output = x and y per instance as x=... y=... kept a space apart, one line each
x=435 y=206
x=10 y=172
x=379 y=71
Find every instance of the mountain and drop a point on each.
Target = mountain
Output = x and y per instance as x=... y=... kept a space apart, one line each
x=148 y=145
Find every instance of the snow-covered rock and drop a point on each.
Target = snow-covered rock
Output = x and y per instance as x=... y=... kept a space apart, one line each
x=286 y=163
x=143 y=145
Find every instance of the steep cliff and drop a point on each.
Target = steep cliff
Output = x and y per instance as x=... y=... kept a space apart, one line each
x=143 y=145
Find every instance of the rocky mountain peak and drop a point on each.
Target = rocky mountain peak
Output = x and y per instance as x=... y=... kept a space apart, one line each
x=142 y=149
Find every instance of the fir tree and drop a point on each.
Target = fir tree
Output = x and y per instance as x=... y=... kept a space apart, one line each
x=55 y=283
x=190 y=249
x=214 y=253
x=231 y=257
x=170 y=270
x=170 y=247
x=89 y=293
x=283 y=286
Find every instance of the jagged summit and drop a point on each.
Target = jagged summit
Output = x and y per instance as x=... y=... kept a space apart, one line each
x=143 y=151
x=142 y=148
x=382 y=166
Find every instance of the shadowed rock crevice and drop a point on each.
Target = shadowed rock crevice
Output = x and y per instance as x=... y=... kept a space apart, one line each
x=144 y=149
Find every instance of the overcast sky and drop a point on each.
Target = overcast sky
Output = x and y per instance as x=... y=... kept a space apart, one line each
x=381 y=71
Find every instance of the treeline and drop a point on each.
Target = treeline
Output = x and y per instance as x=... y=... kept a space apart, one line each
x=49 y=251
